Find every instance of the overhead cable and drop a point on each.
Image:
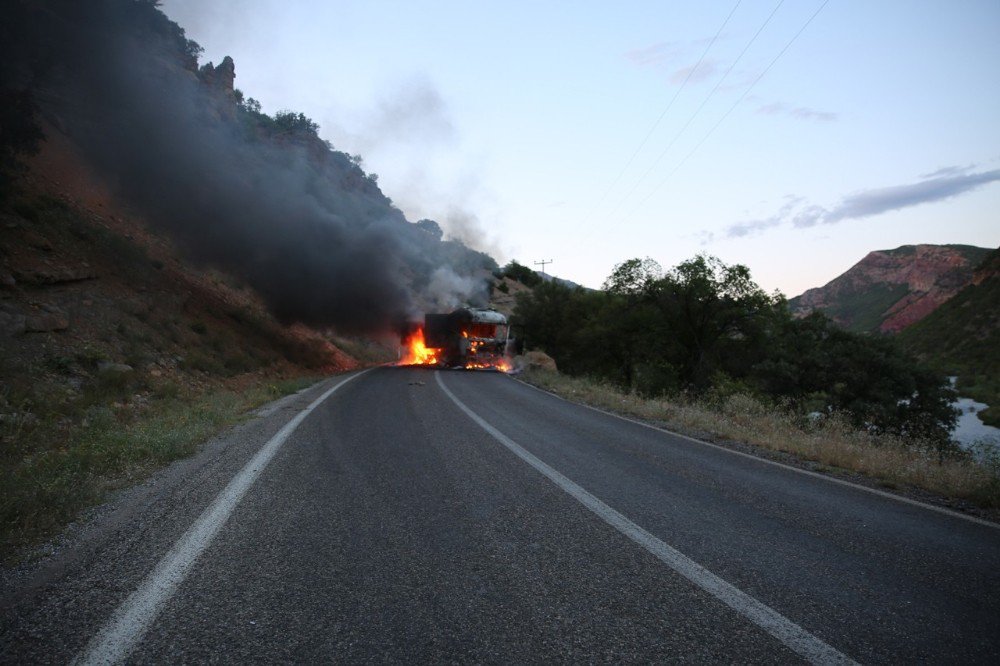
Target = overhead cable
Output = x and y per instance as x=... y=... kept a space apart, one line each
x=656 y=124
x=700 y=107
x=731 y=109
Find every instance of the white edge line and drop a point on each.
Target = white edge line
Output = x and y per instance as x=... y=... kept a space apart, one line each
x=789 y=633
x=132 y=618
x=817 y=475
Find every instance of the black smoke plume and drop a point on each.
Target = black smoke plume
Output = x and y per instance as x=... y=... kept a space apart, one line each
x=260 y=197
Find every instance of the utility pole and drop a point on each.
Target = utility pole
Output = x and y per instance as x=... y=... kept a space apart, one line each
x=542 y=263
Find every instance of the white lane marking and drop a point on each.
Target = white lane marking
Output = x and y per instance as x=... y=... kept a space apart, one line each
x=798 y=470
x=131 y=620
x=792 y=635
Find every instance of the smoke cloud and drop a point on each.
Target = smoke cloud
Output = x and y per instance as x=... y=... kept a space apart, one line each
x=301 y=223
x=449 y=290
x=415 y=115
x=410 y=138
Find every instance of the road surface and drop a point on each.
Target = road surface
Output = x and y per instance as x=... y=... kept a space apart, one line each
x=412 y=515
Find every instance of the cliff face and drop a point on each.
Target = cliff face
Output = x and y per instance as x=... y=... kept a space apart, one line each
x=889 y=290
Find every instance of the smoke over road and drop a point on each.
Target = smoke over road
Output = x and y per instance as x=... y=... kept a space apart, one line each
x=301 y=223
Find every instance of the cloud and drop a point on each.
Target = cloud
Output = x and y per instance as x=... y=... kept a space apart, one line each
x=885 y=199
x=741 y=229
x=669 y=56
x=949 y=171
x=809 y=216
x=869 y=203
x=704 y=71
x=798 y=112
x=654 y=54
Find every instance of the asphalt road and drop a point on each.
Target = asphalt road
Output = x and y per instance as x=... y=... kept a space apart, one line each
x=423 y=516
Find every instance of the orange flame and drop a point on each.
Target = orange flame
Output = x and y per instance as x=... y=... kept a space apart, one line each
x=501 y=364
x=417 y=353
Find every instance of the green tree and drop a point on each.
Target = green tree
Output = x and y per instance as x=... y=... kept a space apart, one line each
x=633 y=277
x=821 y=367
x=522 y=274
x=290 y=122
x=716 y=316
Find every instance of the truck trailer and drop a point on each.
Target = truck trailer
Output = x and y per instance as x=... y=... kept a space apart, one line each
x=466 y=338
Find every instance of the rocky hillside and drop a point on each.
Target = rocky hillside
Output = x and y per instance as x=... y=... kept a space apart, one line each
x=117 y=357
x=889 y=290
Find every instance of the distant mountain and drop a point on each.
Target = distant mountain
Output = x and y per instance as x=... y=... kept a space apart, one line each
x=889 y=290
x=962 y=337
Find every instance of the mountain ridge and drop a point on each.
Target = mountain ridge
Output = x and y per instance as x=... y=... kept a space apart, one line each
x=890 y=290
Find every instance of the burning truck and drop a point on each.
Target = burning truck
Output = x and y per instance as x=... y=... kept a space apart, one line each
x=471 y=338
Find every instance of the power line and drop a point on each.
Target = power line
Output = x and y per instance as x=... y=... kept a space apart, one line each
x=731 y=109
x=700 y=107
x=670 y=104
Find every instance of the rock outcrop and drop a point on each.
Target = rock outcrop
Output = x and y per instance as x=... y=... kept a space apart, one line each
x=221 y=76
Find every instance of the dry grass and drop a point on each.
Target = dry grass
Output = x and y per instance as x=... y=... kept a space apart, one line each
x=832 y=441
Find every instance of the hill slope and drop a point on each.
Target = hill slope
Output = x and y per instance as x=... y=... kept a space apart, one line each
x=962 y=337
x=889 y=290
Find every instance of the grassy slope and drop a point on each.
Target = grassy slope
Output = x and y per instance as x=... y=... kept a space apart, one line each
x=64 y=468
x=863 y=311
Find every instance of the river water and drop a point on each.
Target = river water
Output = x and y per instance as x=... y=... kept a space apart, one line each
x=970 y=429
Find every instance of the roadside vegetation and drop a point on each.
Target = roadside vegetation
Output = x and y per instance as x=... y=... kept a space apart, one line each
x=703 y=349
x=832 y=443
x=706 y=330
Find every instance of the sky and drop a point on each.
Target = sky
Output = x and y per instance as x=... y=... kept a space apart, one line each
x=791 y=136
